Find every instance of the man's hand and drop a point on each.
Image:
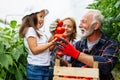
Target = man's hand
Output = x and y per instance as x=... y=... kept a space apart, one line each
x=68 y=49
x=53 y=26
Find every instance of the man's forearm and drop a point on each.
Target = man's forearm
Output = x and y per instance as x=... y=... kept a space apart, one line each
x=86 y=59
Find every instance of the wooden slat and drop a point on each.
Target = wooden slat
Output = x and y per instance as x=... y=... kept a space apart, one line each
x=57 y=62
x=60 y=78
x=75 y=71
x=95 y=65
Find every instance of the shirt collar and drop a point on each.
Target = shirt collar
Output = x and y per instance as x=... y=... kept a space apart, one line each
x=102 y=39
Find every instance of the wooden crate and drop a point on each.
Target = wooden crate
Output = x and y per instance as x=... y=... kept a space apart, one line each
x=75 y=71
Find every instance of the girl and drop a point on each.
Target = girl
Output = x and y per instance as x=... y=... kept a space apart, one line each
x=38 y=59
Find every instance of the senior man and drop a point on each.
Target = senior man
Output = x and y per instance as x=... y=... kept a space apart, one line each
x=94 y=46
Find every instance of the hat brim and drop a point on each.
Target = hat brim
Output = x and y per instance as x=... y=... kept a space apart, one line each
x=45 y=10
x=36 y=10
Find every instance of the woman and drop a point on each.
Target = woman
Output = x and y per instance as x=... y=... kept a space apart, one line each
x=70 y=31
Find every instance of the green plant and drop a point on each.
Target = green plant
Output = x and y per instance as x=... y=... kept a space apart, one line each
x=12 y=53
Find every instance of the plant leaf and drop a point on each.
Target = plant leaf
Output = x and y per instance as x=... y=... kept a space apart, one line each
x=18 y=75
x=10 y=60
x=4 y=61
x=13 y=23
x=16 y=52
x=1 y=48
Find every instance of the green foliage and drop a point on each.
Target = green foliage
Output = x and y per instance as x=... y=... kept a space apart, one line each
x=111 y=24
x=12 y=54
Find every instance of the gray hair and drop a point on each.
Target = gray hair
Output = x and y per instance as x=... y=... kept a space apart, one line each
x=97 y=16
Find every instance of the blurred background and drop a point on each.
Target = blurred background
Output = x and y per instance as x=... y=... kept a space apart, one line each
x=16 y=9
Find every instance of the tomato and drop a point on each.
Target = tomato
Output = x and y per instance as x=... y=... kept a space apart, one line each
x=84 y=66
x=60 y=23
x=59 y=53
x=78 y=78
x=59 y=30
x=69 y=77
x=58 y=36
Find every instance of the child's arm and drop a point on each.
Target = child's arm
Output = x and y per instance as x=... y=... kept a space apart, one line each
x=35 y=48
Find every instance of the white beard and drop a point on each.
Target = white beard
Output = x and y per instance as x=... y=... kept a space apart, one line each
x=87 y=32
